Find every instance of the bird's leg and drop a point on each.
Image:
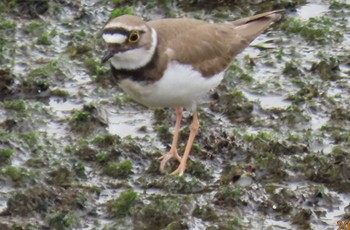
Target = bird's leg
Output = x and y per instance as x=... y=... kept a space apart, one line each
x=194 y=130
x=173 y=150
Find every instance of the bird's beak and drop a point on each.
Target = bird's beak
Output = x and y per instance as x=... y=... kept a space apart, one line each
x=109 y=53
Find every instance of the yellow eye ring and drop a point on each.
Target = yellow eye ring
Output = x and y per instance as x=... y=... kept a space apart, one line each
x=134 y=36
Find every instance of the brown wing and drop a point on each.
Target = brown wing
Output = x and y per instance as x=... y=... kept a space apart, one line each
x=170 y=28
x=213 y=46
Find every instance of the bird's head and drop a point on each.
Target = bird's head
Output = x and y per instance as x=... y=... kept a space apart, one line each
x=131 y=43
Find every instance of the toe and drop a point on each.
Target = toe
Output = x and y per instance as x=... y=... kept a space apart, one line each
x=165 y=160
x=180 y=170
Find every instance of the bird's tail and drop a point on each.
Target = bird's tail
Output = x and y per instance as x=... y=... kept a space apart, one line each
x=251 y=27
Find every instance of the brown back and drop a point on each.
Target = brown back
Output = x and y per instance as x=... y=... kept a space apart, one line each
x=213 y=46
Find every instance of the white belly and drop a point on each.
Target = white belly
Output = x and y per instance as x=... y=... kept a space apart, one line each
x=180 y=86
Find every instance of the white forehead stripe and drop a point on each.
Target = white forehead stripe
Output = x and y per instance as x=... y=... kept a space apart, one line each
x=114 y=38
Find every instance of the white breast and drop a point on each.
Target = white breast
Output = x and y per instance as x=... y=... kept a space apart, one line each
x=180 y=85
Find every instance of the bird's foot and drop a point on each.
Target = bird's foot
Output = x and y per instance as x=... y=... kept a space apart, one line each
x=180 y=170
x=166 y=157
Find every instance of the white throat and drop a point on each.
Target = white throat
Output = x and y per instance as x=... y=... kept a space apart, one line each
x=135 y=58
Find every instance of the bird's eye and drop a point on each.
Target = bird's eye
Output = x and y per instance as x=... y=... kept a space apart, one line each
x=134 y=36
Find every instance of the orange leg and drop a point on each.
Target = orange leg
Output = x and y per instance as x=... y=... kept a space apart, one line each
x=194 y=130
x=173 y=150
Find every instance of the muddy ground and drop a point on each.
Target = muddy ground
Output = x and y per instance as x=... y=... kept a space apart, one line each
x=273 y=150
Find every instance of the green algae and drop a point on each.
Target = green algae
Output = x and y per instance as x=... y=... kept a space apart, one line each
x=327 y=68
x=17 y=175
x=163 y=132
x=60 y=93
x=63 y=220
x=86 y=120
x=95 y=67
x=292 y=69
x=30 y=138
x=338 y=4
x=121 y=11
x=176 y=225
x=161 y=211
x=34 y=199
x=19 y=106
x=205 y=212
x=61 y=176
x=106 y=140
x=176 y=184
x=123 y=99
x=237 y=108
x=40 y=79
x=7 y=25
x=6 y=154
x=121 y=206
x=198 y=169
x=302 y=218
x=229 y=196
x=117 y=1
x=118 y=169
x=320 y=30
x=44 y=39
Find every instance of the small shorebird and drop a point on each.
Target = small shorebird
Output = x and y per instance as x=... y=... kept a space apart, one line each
x=174 y=62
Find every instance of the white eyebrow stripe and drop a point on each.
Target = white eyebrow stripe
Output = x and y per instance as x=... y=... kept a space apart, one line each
x=114 y=38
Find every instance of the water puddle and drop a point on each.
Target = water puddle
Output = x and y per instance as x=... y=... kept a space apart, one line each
x=62 y=110
x=318 y=121
x=197 y=224
x=332 y=216
x=62 y=107
x=59 y=105
x=3 y=204
x=56 y=129
x=333 y=213
x=277 y=224
x=128 y=123
x=326 y=146
x=268 y=102
x=4 y=192
x=312 y=10
x=2 y=116
x=339 y=94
